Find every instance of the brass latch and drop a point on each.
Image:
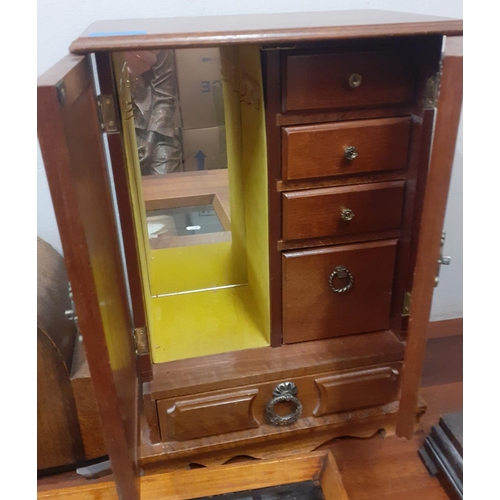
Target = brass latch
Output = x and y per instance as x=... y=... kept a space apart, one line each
x=141 y=340
x=431 y=92
x=443 y=260
x=406 y=304
x=107 y=113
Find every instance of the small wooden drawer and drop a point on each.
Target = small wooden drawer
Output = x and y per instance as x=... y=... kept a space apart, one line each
x=313 y=310
x=244 y=408
x=353 y=389
x=341 y=211
x=205 y=415
x=333 y=81
x=343 y=148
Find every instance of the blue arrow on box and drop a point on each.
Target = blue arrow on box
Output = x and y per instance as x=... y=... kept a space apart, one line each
x=200 y=158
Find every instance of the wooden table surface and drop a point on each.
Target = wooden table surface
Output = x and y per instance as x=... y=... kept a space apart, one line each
x=378 y=468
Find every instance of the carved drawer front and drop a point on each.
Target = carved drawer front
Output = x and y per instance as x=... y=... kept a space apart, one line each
x=276 y=403
x=194 y=417
x=241 y=408
x=335 y=291
x=342 y=211
x=330 y=149
x=324 y=81
x=357 y=389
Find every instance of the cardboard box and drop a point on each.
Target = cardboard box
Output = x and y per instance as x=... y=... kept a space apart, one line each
x=200 y=88
x=204 y=148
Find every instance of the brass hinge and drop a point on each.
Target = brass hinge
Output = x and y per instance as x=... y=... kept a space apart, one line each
x=141 y=340
x=107 y=113
x=431 y=93
x=406 y=304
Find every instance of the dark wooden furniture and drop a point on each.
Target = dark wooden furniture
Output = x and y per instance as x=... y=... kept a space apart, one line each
x=350 y=101
x=59 y=442
x=443 y=451
x=68 y=424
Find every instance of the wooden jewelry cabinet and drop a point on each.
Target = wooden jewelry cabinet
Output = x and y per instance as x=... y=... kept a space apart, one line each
x=305 y=318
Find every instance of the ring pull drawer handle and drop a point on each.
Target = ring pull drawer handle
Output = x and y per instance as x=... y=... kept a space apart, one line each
x=341 y=273
x=347 y=214
x=284 y=392
x=354 y=80
x=351 y=152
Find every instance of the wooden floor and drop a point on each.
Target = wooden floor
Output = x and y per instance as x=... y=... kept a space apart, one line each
x=381 y=468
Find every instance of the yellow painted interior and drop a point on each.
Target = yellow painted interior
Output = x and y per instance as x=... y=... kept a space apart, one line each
x=184 y=318
x=133 y=173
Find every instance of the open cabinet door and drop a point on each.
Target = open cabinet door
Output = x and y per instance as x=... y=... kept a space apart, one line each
x=449 y=107
x=72 y=148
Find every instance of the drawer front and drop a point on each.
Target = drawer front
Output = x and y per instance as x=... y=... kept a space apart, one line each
x=312 y=310
x=348 y=80
x=195 y=417
x=244 y=408
x=356 y=389
x=342 y=211
x=325 y=150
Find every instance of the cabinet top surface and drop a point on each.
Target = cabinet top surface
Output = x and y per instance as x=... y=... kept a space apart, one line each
x=257 y=28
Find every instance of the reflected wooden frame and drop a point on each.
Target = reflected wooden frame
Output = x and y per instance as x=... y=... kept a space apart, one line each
x=172 y=191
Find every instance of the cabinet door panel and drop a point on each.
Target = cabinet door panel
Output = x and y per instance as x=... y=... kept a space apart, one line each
x=72 y=149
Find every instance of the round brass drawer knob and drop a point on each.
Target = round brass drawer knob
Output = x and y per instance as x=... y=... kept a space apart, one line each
x=341 y=273
x=347 y=214
x=355 y=80
x=351 y=152
x=284 y=392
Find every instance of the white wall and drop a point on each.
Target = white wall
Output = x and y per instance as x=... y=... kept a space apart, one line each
x=61 y=21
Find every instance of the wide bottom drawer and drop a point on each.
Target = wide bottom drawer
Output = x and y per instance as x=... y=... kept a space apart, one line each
x=249 y=407
x=335 y=291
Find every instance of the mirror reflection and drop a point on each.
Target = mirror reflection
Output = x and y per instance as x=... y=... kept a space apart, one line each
x=178 y=114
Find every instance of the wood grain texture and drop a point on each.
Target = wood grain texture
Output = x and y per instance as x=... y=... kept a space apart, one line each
x=427 y=60
x=124 y=202
x=86 y=405
x=270 y=441
x=166 y=191
x=357 y=389
x=420 y=144
x=72 y=150
x=53 y=300
x=311 y=310
x=443 y=362
x=342 y=115
x=231 y=478
x=200 y=416
x=321 y=80
x=220 y=412
x=257 y=28
x=448 y=116
x=331 y=480
x=312 y=151
x=389 y=468
x=341 y=180
x=318 y=213
x=238 y=368
x=272 y=95
x=59 y=441
x=338 y=240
